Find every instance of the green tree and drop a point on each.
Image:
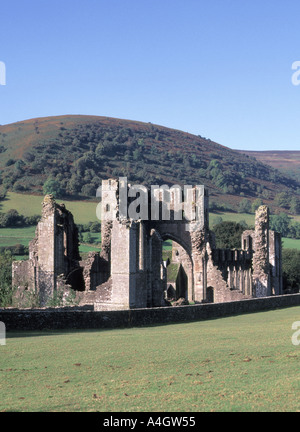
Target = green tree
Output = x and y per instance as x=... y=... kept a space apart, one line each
x=87 y=238
x=294 y=230
x=256 y=204
x=228 y=235
x=244 y=206
x=88 y=190
x=11 y=219
x=6 y=291
x=74 y=184
x=3 y=192
x=218 y=220
x=295 y=206
x=52 y=186
x=280 y=223
x=137 y=154
x=282 y=200
x=291 y=269
x=95 y=227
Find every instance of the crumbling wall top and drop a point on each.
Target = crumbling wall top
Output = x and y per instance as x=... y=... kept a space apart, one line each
x=48 y=205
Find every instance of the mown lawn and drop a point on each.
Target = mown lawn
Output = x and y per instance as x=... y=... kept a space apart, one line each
x=242 y=363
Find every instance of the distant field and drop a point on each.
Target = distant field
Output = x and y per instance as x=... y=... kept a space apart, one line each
x=291 y=243
x=233 y=364
x=13 y=236
x=234 y=217
x=85 y=212
x=28 y=205
x=238 y=217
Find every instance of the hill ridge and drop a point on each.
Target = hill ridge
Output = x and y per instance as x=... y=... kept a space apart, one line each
x=77 y=151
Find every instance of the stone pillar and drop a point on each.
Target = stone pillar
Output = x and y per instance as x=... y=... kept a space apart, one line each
x=199 y=256
x=157 y=276
x=46 y=251
x=261 y=267
x=109 y=204
x=128 y=281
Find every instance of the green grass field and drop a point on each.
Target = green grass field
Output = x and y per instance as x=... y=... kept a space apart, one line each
x=28 y=205
x=241 y=363
x=233 y=217
x=291 y=243
x=85 y=212
x=13 y=236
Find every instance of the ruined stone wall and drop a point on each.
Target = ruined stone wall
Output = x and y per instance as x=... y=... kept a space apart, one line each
x=84 y=319
x=53 y=254
x=23 y=273
x=180 y=256
x=96 y=271
x=275 y=259
x=157 y=276
x=106 y=227
x=129 y=284
x=129 y=272
x=230 y=274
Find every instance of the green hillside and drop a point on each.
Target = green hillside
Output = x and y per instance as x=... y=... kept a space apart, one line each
x=287 y=162
x=78 y=151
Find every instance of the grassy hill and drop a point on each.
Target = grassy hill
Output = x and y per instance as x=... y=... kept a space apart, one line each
x=286 y=161
x=78 y=151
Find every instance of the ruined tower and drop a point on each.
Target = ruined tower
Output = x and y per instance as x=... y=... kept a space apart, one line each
x=53 y=252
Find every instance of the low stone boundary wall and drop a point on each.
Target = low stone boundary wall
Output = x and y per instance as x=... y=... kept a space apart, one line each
x=50 y=319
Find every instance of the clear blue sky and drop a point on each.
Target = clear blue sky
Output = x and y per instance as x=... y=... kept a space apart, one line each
x=218 y=68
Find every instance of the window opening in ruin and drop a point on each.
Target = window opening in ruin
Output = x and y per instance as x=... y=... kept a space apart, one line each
x=210 y=294
x=179 y=269
x=76 y=280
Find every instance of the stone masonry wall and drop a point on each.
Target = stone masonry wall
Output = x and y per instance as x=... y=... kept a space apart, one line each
x=44 y=319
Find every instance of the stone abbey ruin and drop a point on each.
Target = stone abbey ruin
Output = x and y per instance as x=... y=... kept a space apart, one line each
x=130 y=272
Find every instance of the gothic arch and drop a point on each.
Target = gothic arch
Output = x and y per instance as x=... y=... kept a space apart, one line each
x=184 y=258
